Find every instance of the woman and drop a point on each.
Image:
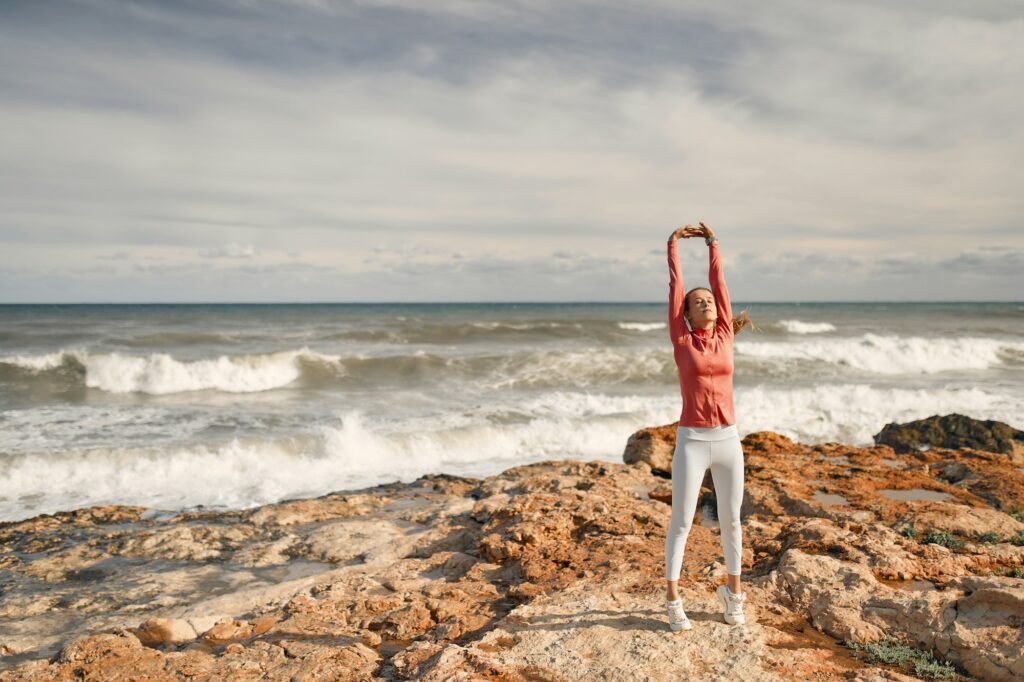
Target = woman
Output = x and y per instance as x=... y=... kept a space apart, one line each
x=706 y=436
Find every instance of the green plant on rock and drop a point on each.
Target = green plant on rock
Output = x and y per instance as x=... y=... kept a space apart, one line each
x=943 y=538
x=909 y=532
x=894 y=652
x=1017 y=513
x=1018 y=539
x=989 y=537
x=1017 y=572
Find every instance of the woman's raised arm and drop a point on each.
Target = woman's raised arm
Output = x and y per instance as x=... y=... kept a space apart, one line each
x=676 y=291
x=717 y=278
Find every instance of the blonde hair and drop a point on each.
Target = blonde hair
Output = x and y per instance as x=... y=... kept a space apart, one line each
x=739 y=322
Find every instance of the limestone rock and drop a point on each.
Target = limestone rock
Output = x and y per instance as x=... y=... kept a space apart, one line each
x=954 y=431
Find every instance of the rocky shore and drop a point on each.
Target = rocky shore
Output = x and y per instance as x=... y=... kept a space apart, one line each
x=910 y=551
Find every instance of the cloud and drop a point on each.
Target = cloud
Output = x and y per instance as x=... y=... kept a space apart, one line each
x=230 y=251
x=570 y=131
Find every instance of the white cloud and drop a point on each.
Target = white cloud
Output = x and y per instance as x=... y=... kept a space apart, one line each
x=230 y=251
x=838 y=136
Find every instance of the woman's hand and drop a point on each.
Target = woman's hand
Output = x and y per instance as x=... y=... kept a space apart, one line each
x=685 y=232
x=690 y=231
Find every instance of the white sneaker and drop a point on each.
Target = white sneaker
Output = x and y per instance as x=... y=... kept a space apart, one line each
x=677 y=619
x=733 y=605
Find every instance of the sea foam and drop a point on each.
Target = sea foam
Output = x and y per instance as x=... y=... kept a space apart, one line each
x=800 y=327
x=888 y=354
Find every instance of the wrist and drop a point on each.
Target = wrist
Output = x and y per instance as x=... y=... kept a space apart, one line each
x=708 y=240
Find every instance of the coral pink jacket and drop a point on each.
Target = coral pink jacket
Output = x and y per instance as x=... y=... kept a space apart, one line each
x=704 y=359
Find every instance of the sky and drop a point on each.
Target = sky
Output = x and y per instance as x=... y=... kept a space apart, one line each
x=449 y=150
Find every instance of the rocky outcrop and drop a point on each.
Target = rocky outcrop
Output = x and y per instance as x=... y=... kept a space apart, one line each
x=550 y=571
x=652 y=446
x=954 y=431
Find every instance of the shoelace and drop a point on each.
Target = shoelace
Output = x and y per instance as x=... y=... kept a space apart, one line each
x=734 y=603
x=676 y=615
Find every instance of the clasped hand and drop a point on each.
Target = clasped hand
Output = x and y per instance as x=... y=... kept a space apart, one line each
x=689 y=230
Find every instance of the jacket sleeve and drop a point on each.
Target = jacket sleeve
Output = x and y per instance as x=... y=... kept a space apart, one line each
x=676 y=293
x=719 y=289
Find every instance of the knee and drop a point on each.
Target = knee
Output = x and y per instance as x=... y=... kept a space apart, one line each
x=731 y=522
x=680 y=526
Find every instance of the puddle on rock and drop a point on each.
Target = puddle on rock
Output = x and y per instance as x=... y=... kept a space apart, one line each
x=839 y=459
x=828 y=498
x=895 y=463
x=915 y=494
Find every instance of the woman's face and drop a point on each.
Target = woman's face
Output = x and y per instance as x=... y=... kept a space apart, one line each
x=700 y=308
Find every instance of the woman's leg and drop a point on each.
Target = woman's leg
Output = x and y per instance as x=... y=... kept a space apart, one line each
x=727 y=474
x=689 y=462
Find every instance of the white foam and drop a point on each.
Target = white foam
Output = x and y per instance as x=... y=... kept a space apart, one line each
x=353 y=453
x=160 y=374
x=641 y=326
x=853 y=413
x=40 y=363
x=57 y=427
x=520 y=326
x=889 y=354
x=799 y=327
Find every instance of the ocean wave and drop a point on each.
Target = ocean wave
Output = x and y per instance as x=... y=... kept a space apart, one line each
x=161 y=374
x=468 y=332
x=351 y=453
x=800 y=327
x=39 y=363
x=853 y=412
x=69 y=373
x=165 y=339
x=890 y=354
x=581 y=368
x=641 y=326
x=522 y=326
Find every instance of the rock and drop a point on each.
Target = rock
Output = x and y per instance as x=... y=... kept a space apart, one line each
x=156 y=631
x=342 y=541
x=652 y=446
x=93 y=648
x=227 y=629
x=770 y=443
x=954 y=431
x=203 y=623
x=968 y=521
x=979 y=631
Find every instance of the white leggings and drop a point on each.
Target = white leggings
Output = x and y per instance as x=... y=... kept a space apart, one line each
x=697 y=449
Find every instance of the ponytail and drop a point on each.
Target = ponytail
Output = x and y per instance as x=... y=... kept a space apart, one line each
x=741 y=321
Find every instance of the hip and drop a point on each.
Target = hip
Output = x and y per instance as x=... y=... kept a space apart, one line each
x=720 y=432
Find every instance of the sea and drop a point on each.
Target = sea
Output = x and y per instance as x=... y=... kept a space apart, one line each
x=229 y=406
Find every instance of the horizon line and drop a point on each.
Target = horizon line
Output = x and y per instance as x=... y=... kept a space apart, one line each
x=485 y=302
